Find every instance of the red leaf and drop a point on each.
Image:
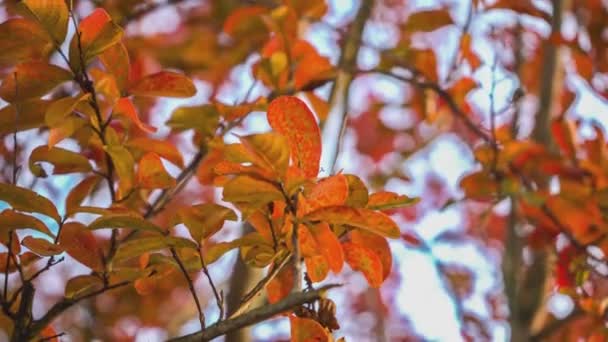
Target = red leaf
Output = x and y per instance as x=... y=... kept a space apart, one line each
x=279 y=287
x=329 y=246
x=289 y=116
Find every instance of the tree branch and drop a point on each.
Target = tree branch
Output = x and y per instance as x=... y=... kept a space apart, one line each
x=338 y=99
x=255 y=316
x=201 y=315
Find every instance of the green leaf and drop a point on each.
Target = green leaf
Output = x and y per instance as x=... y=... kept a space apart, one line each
x=26 y=200
x=64 y=161
x=204 y=220
x=203 y=119
x=124 y=221
x=137 y=247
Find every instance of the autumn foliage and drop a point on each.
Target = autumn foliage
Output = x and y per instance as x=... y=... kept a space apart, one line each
x=127 y=175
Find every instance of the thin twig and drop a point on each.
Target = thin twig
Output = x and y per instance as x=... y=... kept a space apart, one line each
x=201 y=315
x=219 y=298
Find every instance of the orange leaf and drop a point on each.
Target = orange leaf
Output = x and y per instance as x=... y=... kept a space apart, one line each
x=81 y=245
x=289 y=116
x=164 y=83
x=378 y=245
x=479 y=186
x=243 y=19
x=63 y=161
x=366 y=261
x=40 y=246
x=125 y=107
x=330 y=191
x=261 y=224
x=49 y=334
x=163 y=148
x=367 y=219
x=563 y=133
x=97 y=33
x=151 y=173
x=308 y=244
x=22 y=40
x=280 y=287
x=32 y=79
x=329 y=246
x=307 y=330
x=26 y=200
x=79 y=193
x=123 y=164
x=13 y=220
x=317 y=267
x=116 y=61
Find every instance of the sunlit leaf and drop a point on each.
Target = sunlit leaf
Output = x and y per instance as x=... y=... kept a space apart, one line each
x=308 y=330
x=204 y=220
x=367 y=219
x=329 y=246
x=291 y=117
x=125 y=107
x=164 y=83
x=384 y=200
x=330 y=191
x=81 y=245
x=41 y=246
x=32 y=79
x=308 y=244
x=317 y=267
x=151 y=173
x=124 y=221
x=64 y=161
x=52 y=15
x=364 y=260
x=26 y=200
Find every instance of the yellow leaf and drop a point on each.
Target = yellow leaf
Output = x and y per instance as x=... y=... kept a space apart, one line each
x=22 y=40
x=248 y=189
x=41 y=247
x=124 y=221
x=151 y=173
x=64 y=161
x=123 y=163
x=26 y=200
x=97 y=33
x=52 y=16
x=204 y=220
x=30 y=115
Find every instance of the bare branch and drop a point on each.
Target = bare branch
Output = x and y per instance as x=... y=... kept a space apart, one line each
x=201 y=315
